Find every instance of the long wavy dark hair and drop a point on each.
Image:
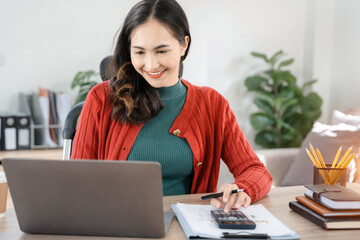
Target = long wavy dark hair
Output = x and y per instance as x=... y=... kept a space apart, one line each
x=133 y=99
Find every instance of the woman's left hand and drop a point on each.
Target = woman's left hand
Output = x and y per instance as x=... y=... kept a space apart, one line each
x=229 y=201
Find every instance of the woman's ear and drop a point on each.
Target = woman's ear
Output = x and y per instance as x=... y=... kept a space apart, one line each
x=185 y=45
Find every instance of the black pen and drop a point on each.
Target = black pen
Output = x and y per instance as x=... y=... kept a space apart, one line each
x=216 y=195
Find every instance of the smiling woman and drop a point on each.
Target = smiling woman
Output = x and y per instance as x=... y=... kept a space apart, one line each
x=155 y=38
x=157 y=59
x=147 y=112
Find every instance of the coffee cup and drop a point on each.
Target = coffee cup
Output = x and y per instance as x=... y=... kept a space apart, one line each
x=3 y=194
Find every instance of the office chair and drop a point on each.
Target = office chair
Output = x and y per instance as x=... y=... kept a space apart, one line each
x=68 y=133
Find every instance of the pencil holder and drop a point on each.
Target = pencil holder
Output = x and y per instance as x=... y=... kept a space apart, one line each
x=330 y=176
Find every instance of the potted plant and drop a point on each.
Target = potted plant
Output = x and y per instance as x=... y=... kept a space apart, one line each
x=287 y=112
x=85 y=80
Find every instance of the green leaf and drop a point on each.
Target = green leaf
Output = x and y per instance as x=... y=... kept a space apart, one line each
x=285 y=63
x=255 y=83
x=279 y=101
x=88 y=84
x=288 y=104
x=296 y=141
x=84 y=80
x=279 y=77
x=283 y=124
x=290 y=79
x=296 y=90
x=286 y=93
x=267 y=139
x=76 y=79
x=311 y=102
x=267 y=97
x=288 y=112
x=293 y=139
x=260 y=55
x=307 y=85
x=273 y=59
x=301 y=122
x=265 y=106
x=261 y=120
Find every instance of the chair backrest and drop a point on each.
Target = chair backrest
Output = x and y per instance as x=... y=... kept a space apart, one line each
x=69 y=130
x=68 y=133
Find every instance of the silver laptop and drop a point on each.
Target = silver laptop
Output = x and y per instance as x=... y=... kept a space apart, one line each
x=88 y=197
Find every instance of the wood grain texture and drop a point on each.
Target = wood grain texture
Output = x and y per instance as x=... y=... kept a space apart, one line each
x=276 y=202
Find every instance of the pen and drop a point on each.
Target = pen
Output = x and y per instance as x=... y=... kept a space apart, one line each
x=246 y=235
x=215 y=195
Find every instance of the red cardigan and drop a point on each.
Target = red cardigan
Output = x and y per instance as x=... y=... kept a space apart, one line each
x=206 y=122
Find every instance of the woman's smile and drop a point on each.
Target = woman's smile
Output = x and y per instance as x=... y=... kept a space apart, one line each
x=157 y=74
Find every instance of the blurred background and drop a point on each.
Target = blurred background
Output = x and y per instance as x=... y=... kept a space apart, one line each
x=45 y=43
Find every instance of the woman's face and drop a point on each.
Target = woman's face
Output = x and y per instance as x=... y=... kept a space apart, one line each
x=155 y=53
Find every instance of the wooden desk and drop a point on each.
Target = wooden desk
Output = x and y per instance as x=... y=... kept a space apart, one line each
x=36 y=153
x=55 y=153
x=277 y=202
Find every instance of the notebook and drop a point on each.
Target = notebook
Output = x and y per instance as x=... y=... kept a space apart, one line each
x=324 y=211
x=333 y=196
x=325 y=222
x=88 y=197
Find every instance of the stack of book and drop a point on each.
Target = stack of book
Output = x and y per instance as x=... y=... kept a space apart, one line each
x=329 y=206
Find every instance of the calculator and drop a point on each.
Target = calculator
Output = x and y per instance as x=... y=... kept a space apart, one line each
x=235 y=219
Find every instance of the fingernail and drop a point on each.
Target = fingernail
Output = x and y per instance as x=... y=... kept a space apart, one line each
x=237 y=206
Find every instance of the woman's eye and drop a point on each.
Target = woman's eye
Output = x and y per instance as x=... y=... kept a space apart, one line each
x=139 y=52
x=162 y=51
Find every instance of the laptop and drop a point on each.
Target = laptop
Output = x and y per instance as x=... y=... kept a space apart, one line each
x=88 y=197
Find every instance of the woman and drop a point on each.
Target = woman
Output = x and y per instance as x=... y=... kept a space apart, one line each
x=148 y=113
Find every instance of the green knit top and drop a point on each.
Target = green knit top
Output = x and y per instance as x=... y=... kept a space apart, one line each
x=155 y=143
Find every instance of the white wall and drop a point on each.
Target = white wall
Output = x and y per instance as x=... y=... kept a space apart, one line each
x=44 y=43
x=345 y=81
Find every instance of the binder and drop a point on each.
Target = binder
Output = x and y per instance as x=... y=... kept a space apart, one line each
x=63 y=107
x=23 y=131
x=45 y=125
x=42 y=101
x=54 y=119
x=8 y=131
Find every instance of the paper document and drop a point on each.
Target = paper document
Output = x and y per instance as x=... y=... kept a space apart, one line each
x=196 y=221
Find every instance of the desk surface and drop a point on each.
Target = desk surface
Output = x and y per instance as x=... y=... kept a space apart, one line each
x=276 y=201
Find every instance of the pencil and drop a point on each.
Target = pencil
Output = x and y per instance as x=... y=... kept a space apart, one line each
x=323 y=164
x=314 y=154
x=316 y=165
x=335 y=160
x=319 y=164
x=343 y=166
x=311 y=157
x=344 y=157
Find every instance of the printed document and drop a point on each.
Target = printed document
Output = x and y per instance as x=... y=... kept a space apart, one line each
x=196 y=221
